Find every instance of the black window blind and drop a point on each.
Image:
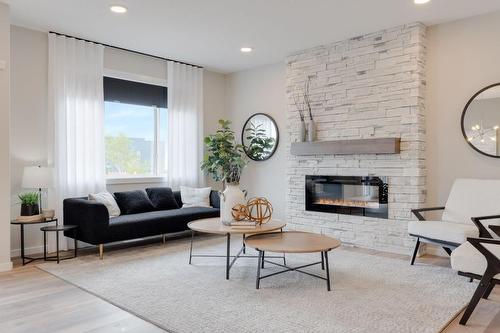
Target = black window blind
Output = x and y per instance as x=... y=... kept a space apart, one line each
x=137 y=93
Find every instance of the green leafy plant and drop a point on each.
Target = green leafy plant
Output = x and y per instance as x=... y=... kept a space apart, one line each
x=224 y=160
x=259 y=144
x=29 y=198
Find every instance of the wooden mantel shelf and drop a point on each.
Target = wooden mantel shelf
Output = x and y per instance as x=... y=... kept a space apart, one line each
x=346 y=147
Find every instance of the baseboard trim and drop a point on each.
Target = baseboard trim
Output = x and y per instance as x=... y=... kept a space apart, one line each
x=5 y=266
x=27 y=251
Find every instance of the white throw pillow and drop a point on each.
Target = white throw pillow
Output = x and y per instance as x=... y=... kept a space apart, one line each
x=195 y=197
x=107 y=200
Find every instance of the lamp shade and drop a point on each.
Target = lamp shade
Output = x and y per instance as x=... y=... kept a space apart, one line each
x=37 y=177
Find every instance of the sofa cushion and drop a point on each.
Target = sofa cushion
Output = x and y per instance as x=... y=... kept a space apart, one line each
x=107 y=200
x=162 y=198
x=445 y=231
x=133 y=202
x=156 y=222
x=466 y=258
x=195 y=197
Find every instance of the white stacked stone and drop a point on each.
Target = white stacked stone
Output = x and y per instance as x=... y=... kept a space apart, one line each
x=371 y=86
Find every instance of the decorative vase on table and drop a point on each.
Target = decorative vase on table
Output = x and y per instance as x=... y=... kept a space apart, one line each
x=230 y=197
x=311 y=131
x=302 y=131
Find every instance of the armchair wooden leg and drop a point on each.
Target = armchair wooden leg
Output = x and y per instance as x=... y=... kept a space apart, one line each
x=478 y=294
x=417 y=244
x=101 y=251
x=489 y=290
x=163 y=236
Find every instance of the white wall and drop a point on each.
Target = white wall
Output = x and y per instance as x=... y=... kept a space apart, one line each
x=29 y=119
x=29 y=112
x=5 y=66
x=463 y=57
x=261 y=90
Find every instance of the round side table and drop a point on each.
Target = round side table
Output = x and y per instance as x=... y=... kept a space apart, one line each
x=26 y=259
x=57 y=229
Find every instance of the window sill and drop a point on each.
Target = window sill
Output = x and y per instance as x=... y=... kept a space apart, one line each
x=135 y=180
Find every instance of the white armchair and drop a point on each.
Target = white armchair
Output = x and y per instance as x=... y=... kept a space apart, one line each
x=469 y=201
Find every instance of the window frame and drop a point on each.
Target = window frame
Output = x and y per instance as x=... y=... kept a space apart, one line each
x=156 y=177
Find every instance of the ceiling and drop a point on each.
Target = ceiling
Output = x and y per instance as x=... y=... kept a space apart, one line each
x=211 y=32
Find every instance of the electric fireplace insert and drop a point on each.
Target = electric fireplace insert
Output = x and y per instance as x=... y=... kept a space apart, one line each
x=351 y=195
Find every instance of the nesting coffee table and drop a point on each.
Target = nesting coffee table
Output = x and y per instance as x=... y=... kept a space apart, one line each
x=292 y=242
x=214 y=226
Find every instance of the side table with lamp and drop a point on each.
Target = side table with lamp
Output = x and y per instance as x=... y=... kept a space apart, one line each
x=38 y=177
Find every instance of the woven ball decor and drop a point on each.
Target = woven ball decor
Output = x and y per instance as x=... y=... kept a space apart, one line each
x=239 y=212
x=260 y=210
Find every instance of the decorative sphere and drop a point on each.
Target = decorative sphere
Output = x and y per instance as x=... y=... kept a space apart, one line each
x=239 y=212
x=260 y=210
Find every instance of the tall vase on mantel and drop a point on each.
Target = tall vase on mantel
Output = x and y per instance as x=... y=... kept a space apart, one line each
x=311 y=131
x=230 y=197
x=302 y=131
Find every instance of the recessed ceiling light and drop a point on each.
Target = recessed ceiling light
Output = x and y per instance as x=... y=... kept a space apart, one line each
x=118 y=9
x=246 y=49
x=421 y=2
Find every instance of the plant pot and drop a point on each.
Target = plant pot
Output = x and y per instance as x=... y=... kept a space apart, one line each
x=29 y=210
x=229 y=198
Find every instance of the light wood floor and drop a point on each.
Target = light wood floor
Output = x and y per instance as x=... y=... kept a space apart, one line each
x=32 y=300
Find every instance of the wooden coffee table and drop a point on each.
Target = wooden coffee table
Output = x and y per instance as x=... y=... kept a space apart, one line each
x=214 y=226
x=293 y=242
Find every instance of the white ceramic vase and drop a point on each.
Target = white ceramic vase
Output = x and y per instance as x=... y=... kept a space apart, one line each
x=302 y=130
x=311 y=131
x=229 y=198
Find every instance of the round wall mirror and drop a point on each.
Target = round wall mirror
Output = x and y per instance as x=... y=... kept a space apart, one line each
x=260 y=137
x=481 y=121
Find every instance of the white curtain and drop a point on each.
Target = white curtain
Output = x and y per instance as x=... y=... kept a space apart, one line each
x=76 y=117
x=185 y=125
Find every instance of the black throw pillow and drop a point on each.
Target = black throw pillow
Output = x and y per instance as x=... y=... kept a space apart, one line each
x=162 y=198
x=133 y=202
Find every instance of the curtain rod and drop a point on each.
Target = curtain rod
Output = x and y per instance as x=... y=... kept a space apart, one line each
x=124 y=49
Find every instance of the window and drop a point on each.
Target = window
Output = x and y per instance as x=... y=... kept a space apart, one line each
x=135 y=128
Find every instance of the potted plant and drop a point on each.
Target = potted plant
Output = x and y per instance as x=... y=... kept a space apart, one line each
x=29 y=203
x=224 y=161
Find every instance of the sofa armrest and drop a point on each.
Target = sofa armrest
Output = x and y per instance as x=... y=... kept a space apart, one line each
x=92 y=219
x=483 y=232
x=417 y=212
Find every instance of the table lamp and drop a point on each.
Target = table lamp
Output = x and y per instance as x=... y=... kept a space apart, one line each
x=37 y=177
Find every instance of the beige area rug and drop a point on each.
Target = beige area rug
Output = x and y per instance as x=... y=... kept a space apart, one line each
x=371 y=293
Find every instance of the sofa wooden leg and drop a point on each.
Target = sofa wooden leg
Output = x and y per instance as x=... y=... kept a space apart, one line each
x=417 y=244
x=163 y=239
x=101 y=251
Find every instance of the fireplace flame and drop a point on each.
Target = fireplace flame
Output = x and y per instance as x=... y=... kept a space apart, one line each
x=347 y=203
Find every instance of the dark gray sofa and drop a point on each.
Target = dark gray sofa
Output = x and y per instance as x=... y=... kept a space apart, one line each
x=97 y=228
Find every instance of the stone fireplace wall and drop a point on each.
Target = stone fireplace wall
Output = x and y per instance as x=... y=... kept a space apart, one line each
x=371 y=86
